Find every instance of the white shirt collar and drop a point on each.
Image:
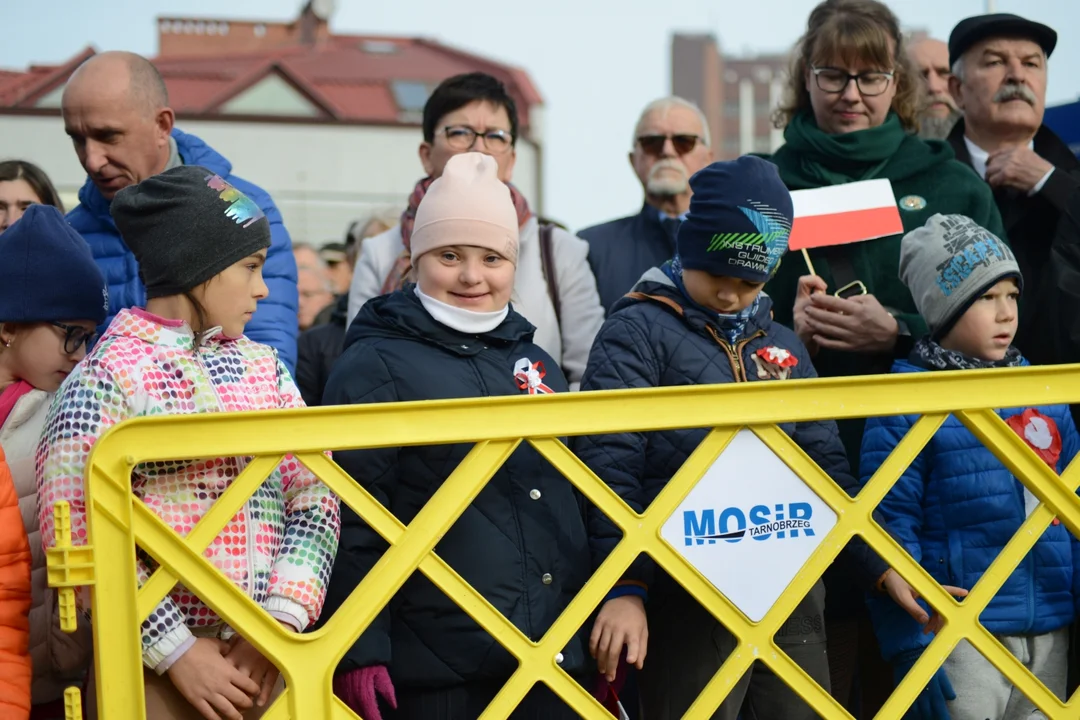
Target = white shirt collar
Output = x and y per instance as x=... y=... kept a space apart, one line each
x=980 y=157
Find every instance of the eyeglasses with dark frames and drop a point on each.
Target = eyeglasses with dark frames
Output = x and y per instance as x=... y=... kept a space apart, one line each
x=834 y=80
x=654 y=144
x=463 y=137
x=75 y=336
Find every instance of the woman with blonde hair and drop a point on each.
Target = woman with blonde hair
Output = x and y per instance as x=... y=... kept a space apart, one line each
x=850 y=114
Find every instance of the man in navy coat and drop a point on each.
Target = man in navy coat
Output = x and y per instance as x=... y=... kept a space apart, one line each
x=671 y=143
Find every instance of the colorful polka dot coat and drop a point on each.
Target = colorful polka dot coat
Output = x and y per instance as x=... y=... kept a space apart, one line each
x=279 y=548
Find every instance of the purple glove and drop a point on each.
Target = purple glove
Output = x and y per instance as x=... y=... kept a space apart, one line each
x=607 y=694
x=361 y=690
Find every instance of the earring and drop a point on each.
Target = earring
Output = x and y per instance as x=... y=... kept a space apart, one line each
x=7 y=343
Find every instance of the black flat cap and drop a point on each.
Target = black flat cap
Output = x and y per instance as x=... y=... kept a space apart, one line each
x=976 y=29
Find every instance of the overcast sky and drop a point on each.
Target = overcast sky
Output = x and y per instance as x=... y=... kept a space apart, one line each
x=596 y=62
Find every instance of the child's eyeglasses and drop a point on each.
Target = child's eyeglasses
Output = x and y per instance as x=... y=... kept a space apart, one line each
x=75 y=336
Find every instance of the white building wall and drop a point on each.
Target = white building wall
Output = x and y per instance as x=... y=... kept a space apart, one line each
x=322 y=177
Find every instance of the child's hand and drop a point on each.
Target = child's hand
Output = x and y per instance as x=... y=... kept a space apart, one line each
x=906 y=597
x=210 y=683
x=621 y=622
x=243 y=656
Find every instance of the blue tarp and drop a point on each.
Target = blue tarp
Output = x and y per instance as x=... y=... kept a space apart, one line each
x=1064 y=120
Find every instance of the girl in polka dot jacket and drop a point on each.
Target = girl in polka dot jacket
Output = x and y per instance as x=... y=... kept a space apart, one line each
x=201 y=246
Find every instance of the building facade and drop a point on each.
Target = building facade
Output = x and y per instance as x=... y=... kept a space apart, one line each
x=328 y=124
x=737 y=94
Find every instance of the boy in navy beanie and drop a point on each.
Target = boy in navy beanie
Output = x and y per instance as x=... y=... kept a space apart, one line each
x=703 y=319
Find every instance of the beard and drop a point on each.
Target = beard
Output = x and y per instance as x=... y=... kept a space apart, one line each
x=932 y=127
x=668 y=185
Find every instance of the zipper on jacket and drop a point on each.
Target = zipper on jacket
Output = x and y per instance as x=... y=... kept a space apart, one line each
x=523 y=554
x=735 y=354
x=1029 y=560
x=240 y=465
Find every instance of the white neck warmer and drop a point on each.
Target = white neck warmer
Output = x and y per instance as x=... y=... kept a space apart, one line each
x=460 y=319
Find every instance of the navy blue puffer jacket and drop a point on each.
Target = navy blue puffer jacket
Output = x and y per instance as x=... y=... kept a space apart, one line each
x=655 y=338
x=521 y=543
x=954 y=510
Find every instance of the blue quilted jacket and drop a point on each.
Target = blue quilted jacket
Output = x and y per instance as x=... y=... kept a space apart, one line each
x=654 y=338
x=274 y=323
x=954 y=510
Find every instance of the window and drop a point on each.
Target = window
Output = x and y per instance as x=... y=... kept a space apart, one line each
x=731 y=109
x=379 y=47
x=409 y=95
x=260 y=30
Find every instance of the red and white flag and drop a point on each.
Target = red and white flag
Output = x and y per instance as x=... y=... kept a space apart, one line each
x=841 y=214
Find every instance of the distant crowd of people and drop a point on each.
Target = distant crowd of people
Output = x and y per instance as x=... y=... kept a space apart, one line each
x=173 y=287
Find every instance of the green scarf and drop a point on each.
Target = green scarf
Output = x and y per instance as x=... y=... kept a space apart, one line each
x=812 y=158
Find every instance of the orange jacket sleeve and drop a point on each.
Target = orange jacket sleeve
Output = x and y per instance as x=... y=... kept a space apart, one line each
x=15 y=671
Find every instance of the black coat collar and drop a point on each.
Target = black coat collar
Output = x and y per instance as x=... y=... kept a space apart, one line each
x=1047 y=144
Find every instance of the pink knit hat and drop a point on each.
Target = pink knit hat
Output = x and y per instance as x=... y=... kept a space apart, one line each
x=468 y=205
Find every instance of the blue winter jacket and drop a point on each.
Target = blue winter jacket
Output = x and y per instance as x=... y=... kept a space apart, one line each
x=954 y=510
x=654 y=338
x=275 y=321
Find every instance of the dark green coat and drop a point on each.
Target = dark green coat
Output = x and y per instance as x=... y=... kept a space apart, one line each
x=926 y=170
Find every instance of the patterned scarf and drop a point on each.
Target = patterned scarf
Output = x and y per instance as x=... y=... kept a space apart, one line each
x=733 y=326
x=930 y=355
x=400 y=270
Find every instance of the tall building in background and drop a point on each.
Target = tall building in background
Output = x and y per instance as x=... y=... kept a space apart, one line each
x=737 y=94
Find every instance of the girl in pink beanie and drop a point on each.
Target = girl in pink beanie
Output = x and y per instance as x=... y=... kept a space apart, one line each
x=454 y=334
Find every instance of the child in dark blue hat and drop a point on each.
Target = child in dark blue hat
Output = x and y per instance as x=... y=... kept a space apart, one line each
x=702 y=319
x=52 y=297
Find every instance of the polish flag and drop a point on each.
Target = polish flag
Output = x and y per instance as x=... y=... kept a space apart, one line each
x=841 y=214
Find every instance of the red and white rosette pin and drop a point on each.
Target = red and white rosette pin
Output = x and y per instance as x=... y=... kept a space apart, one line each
x=530 y=377
x=778 y=356
x=1040 y=433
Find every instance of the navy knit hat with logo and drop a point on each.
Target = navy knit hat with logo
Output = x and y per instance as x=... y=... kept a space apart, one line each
x=47 y=272
x=739 y=222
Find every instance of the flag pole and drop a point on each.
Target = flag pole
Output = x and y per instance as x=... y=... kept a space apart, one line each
x=809 y=265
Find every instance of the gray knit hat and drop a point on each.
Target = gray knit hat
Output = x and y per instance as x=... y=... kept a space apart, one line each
x=185 y=226
x=948 y=263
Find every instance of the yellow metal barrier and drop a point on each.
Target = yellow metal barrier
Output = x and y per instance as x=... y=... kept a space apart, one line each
x=117 y=522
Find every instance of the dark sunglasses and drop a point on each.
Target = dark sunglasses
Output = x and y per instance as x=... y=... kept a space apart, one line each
x=75 y=336
x=654 y=144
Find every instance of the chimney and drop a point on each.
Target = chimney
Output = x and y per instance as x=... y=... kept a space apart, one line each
x=314 y=21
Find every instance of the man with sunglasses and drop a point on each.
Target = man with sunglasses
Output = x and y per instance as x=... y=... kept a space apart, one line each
x=671 y=143
x=553 y=288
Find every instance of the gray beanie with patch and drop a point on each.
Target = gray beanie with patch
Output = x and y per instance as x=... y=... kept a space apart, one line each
x=948 y=263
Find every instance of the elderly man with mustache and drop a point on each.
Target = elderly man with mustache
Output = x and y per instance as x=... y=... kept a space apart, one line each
x=999 y=72
x=671 y=143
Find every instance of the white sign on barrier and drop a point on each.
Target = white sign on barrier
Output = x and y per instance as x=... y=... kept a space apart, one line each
x=749 y=525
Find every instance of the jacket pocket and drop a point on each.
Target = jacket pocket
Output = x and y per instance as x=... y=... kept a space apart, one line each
x=956 y=559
